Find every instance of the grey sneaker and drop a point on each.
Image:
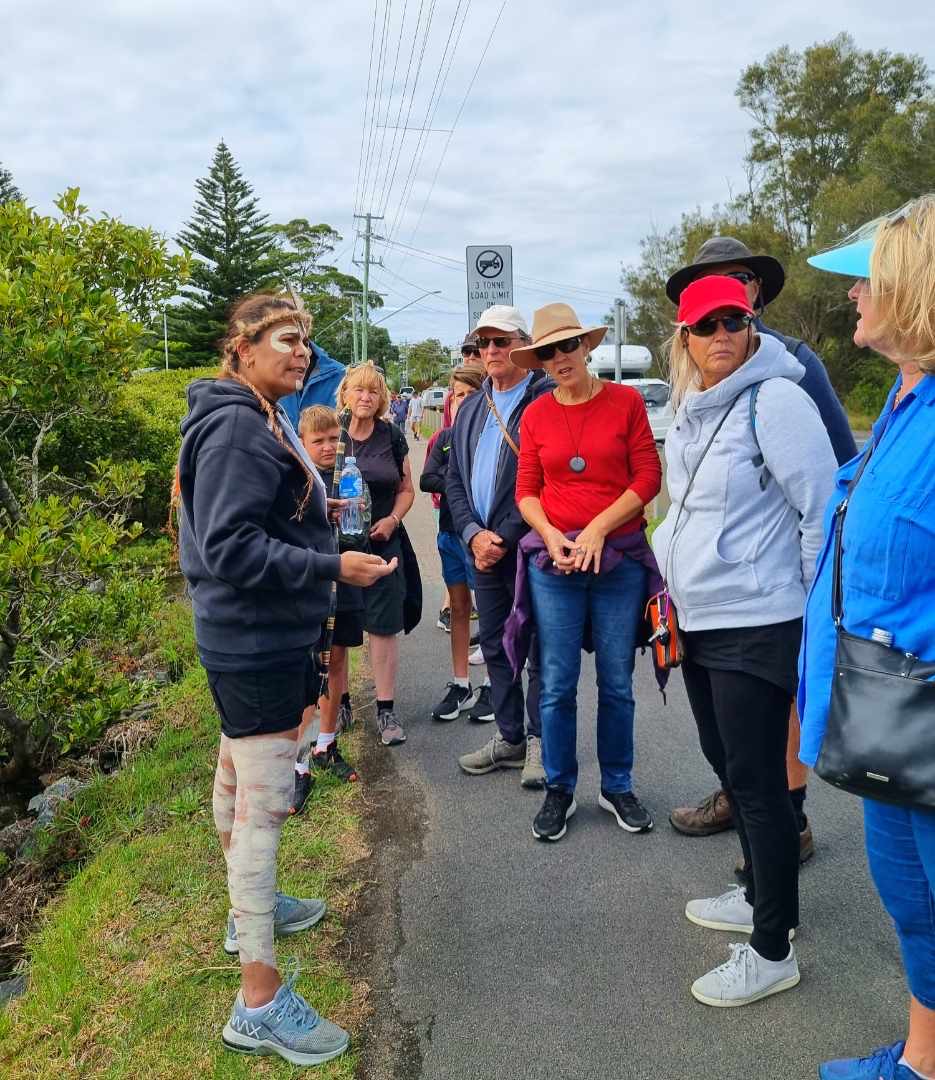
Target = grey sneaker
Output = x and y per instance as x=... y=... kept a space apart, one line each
x=495 y=754
x=287 y=1026
x=345 y=718
x=746 y=977
x=533 y=774
x=729 y=911
x=390 y=729
x=289 y=917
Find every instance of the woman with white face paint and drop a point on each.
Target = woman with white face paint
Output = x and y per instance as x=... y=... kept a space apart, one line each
x=257 y=552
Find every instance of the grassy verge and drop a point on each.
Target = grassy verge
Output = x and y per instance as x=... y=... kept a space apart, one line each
x=127 y=977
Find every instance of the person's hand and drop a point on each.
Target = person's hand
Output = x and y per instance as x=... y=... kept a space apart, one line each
x=561 y=550
x=358 y=568
x=383 y=529
x=588 y=548
x=487 y=548
x=335 y=507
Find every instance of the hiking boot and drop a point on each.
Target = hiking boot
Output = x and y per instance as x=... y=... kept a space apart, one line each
x=443 y=622
x=287 y=1026
x=345 y=718
x=746 y=977
x=331 y=761
x=713 y=815
x=481 y=712
x=304 y=782
x=289 y=917
x=476 y=657
x=495 y=754
x=551 y=823
x=457 y=699
x=806 y=851
x=533 y=774
x=882 y=1064
x=627 y=809
x=389 y=727
x=729 y=911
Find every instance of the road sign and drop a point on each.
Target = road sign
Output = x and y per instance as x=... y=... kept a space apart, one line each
x=489 y=278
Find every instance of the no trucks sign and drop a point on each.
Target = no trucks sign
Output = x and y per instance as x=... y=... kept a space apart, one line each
x=489 y=278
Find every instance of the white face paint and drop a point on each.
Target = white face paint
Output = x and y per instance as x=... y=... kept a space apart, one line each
x=284 y=339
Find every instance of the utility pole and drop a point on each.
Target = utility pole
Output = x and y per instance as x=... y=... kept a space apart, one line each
x=620 y=337
x=367 y=236
x=165 y=336
x=354 y=327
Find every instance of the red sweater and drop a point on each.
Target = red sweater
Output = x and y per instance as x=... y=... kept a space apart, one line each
x=611 y=432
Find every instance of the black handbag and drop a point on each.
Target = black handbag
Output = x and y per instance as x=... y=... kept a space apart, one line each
x=880 y=737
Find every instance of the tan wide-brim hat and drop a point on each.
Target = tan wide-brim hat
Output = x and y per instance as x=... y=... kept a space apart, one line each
x=555 y=322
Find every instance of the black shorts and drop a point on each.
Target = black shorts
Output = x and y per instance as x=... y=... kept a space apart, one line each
x=349 y=629
x=263 y=702
x=385 y=598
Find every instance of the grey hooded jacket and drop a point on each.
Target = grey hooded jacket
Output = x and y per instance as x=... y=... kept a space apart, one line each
x=743 y=552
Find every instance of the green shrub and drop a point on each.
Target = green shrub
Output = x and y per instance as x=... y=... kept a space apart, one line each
x=869 y=393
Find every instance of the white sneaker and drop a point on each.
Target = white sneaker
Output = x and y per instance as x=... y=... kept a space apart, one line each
x=476 y=657
x=729 y=911
x=745 y=978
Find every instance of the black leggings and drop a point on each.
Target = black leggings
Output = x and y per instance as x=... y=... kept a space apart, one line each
x=743 y=723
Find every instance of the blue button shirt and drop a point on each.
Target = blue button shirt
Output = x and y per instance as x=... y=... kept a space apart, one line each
x=889 y=554
x=487 y=453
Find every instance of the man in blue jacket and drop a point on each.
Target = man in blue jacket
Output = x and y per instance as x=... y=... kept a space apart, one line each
x=763 y=277
x=480 y=488
x=320 y=386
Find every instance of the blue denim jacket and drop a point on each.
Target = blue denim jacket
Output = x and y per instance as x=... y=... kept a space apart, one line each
x=889 y=555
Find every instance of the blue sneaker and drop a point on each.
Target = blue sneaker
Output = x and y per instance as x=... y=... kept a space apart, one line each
x=287 y=1026
x=881 y=1065
x=290 y=916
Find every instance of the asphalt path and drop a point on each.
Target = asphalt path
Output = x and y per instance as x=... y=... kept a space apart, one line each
x=520 y=959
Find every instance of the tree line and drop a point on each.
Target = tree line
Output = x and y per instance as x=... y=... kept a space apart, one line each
x=839 y=136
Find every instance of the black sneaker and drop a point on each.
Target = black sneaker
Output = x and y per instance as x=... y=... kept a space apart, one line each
x=475 y=638
x=551 y=822
x=481 y=712
x=457 y=699
x=304 y=782
x=330 y=760
x=444 y=620
x=630 y=813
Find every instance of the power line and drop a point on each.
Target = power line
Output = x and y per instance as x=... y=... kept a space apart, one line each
x=389 y=102
x=376 y=106
x=363 y=129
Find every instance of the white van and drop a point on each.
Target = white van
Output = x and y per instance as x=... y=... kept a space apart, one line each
x=635 y=362
x=434 y=397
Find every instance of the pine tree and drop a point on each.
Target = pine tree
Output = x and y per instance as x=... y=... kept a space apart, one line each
x=9 y=192
x=235 y=251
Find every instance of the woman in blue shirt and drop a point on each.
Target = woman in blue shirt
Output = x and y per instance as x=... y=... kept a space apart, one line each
x=888 y=583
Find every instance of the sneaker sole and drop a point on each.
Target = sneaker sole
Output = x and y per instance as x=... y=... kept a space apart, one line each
x=474 y=770
x=484 y=718
x=776 y=988
x=735 y=928
x=605 y=804
x=570 y=812
x=464 y=706
x=393 y=742
x=243 y=1044
x=232 y=948
x=535 y=783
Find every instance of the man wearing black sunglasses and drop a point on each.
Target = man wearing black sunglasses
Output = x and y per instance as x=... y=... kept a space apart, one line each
x=481 y=486
x=763 y=278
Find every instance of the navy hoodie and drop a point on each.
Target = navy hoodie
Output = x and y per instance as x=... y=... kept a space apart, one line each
x=259 y=579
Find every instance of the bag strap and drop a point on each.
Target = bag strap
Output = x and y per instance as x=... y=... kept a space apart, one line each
x=759 y=462
x=840 y=512
x=499 y=419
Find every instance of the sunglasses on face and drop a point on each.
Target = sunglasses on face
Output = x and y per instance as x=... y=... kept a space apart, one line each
x=546 y=352
x=743 y=276
x=500 y=342
x=733 y=324
x=470 y=350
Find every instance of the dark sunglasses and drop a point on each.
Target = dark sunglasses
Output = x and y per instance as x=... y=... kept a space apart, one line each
x=733 y=324
x=470 y=350
x=741 y=275
x=500 y=342
x=568 y=345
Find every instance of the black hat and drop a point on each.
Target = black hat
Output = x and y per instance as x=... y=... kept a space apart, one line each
x=725 y=249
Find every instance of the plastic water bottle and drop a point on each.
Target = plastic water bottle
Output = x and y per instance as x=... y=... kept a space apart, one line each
x=884 y=637
x=351 y=487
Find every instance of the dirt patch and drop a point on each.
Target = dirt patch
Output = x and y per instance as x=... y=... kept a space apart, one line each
x=394 y=829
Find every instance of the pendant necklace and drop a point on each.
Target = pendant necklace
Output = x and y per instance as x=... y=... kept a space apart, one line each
x=577 y=463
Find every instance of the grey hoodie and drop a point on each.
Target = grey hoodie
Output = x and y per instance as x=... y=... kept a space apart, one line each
x=744 y=555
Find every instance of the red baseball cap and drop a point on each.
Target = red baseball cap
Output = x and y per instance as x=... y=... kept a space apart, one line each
x=707 y=294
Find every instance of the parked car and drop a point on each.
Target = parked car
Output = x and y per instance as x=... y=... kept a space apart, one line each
x=656 y=397
x=434 y=397
x=406 y=391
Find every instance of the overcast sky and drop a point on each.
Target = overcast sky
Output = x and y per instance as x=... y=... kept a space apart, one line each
x=589 y=123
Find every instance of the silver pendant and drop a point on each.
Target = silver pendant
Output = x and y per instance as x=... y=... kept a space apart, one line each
x=577 y=463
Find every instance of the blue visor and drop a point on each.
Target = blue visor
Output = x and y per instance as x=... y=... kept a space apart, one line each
x=852 y=260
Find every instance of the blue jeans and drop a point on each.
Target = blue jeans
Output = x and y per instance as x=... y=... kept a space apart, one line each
x=562 y=605
x=901 y=851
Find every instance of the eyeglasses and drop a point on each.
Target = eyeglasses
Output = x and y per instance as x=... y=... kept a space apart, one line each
x=744 y=276
x=568 y=345
x=733 y=324
x=470 y=350
x=500 y=342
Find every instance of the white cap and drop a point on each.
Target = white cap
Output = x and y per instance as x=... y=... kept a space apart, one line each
x=503 y=317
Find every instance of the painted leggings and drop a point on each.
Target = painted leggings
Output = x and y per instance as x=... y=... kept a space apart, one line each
x=253 y=789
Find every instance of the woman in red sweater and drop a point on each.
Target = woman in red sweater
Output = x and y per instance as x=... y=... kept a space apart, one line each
x=587 y=467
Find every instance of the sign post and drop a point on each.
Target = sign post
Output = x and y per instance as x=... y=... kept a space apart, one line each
x=489 y=278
